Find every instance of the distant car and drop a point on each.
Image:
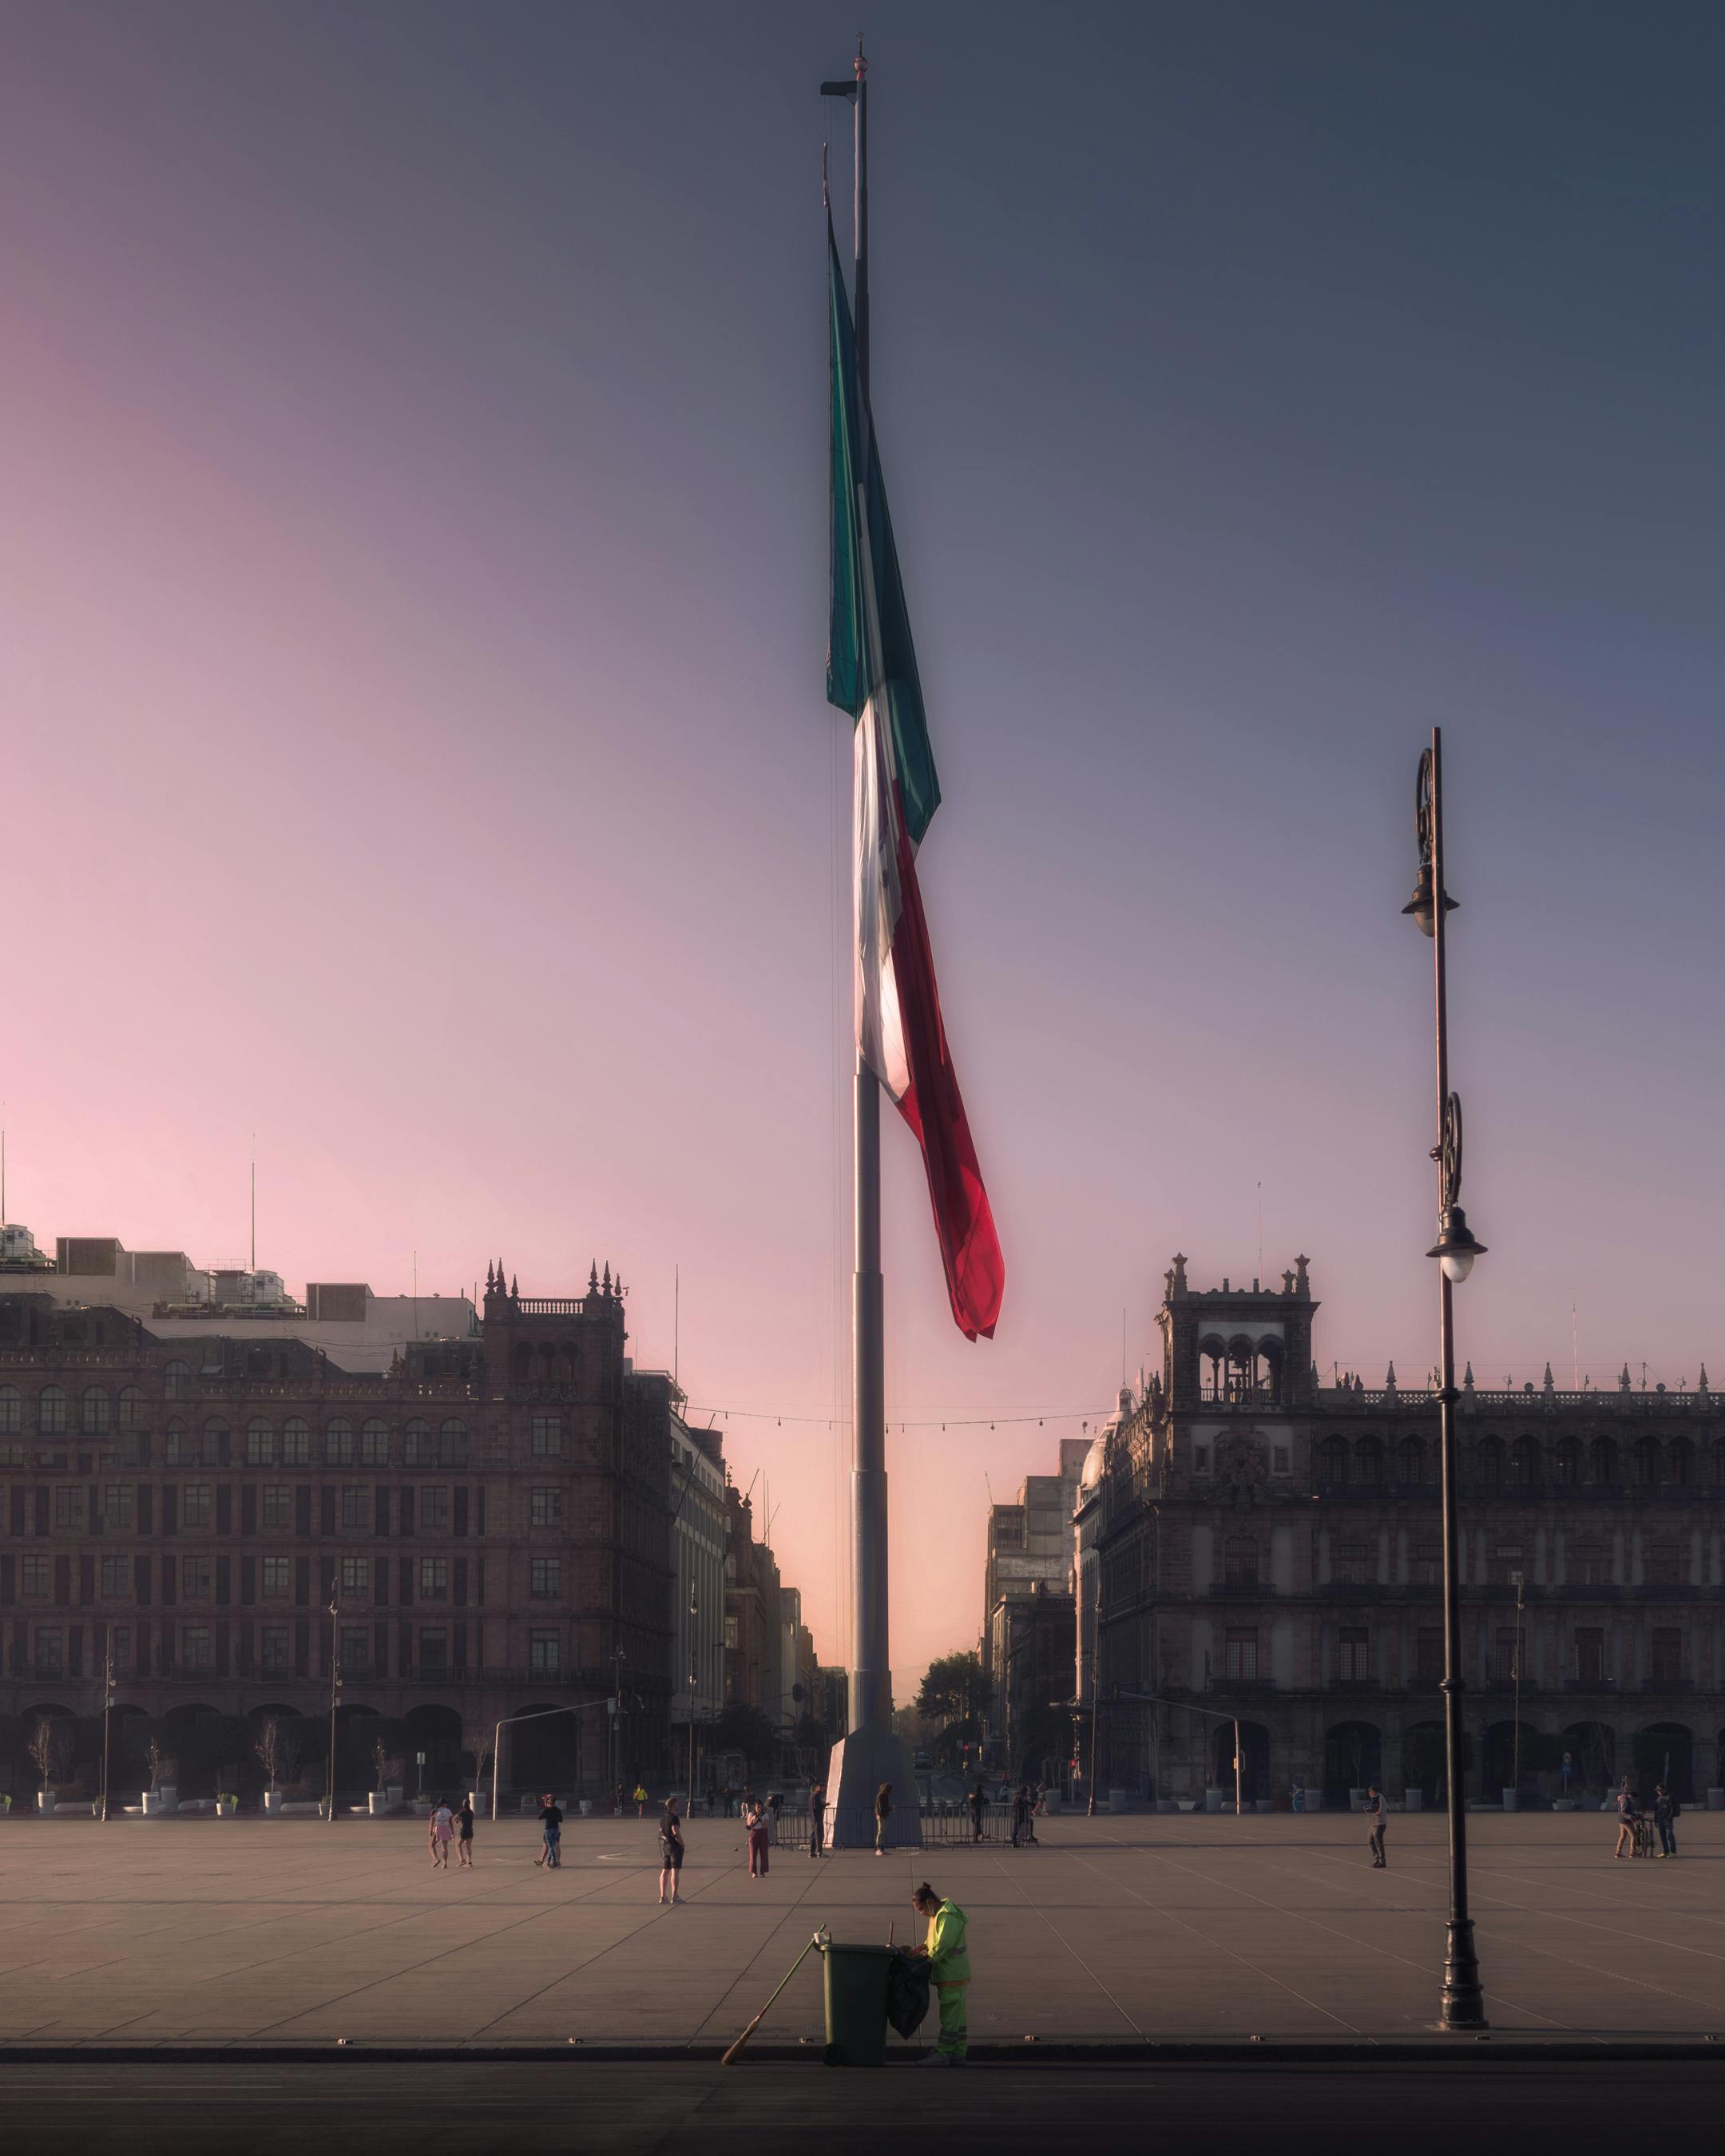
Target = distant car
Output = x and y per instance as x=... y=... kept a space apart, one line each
x=923 y=1759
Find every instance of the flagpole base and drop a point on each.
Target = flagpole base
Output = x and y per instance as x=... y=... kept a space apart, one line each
x=860 y=1764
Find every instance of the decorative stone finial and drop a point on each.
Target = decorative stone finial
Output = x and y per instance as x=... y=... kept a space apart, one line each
x=605 y=1285
x=592 y=1278
x=514 y=1289
x=1389 y=1378
x=1467 y=1378
x=1549 y=1385
x=1623 y=1383
x=1179 y=1279
x=1300 y=1266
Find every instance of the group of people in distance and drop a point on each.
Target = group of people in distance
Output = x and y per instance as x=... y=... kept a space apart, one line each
x=449 y=1825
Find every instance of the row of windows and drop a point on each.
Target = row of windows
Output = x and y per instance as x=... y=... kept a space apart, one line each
x=357 y=1507
x=197 y=1578
x=196 y=1646
x=1588 y=1655
x=1526 y=1463
x=265 y=1446
x=1355 y=1563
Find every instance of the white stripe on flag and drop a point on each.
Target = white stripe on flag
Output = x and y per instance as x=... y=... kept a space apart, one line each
x=876 y=905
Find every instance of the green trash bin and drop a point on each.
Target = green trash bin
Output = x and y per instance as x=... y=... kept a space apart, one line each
x=856 y=2003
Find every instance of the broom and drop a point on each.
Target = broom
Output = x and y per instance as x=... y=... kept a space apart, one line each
x=730 y=2057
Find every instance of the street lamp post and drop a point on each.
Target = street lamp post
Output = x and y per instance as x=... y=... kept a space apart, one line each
x=694 y=1662
x=334 y=1696
x=107 y=1714
x=1455 y=1250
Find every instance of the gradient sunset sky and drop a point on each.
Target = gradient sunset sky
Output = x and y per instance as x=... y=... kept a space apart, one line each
x=415 y=746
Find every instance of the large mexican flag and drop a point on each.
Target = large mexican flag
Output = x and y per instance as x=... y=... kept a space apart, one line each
x=871 y=673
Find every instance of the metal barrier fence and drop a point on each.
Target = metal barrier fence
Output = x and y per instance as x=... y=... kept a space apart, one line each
x=952 y=1826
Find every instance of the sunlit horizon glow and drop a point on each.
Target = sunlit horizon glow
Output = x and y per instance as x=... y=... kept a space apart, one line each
x=416 y=749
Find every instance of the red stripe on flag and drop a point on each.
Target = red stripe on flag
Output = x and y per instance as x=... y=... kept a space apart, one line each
x=970 y=1249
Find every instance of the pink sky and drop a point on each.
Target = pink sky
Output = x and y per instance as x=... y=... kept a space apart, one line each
x=416 y=751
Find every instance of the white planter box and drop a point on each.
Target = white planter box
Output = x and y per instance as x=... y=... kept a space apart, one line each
x=377 y=1804
x=1414 y=1800
x=1052 y=1800
x=44 y=1802
x=1264 y=1805
x=1213 y=1800
x=272 y=1802
x=1356 y=1800
x=1116 y=1801
x=1510 y=1800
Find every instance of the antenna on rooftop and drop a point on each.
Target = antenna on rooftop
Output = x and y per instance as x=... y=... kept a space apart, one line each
x=254 y=1201
x=2 y=1176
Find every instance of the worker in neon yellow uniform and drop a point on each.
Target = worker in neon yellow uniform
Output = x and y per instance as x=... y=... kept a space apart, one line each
x=948 y=1971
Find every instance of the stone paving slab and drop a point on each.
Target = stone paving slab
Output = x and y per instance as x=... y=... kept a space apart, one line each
x=1130 y=1929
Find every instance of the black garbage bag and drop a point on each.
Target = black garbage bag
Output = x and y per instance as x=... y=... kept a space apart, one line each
x=907 y=1993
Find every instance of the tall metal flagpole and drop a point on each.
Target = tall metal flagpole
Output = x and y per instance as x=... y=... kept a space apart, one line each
x=870 y=1688
x=870 y=1754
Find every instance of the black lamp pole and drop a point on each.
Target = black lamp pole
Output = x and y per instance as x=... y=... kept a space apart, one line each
x=1455 y=1250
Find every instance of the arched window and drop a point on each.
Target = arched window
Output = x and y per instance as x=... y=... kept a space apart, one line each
x=295 y=1443
x=1525 y=1463
x=1410 y=1457
x=1333 y=1462
x=131 y=1407
x=338 y=1443
x=1368 y=1463
x=416 y=1449
x=51 y=1412
x=1488 y=1466
x=177 y=1380
x=1211 y=1350
x=179 y=1446
x=452 y=1444
x=1240 y=1561
x=374 y=1444
x=93 y=1411
x=1602 y=1464
x=259 y=1443
x=1568 y=1462
x=12 y=1411
x=1646 y=1463
x=1676 y=1463
x=1270 y=1370
x=217 y=1443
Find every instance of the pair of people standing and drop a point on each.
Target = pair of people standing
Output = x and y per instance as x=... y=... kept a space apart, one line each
x=1024 y=1827
x=448 y=1825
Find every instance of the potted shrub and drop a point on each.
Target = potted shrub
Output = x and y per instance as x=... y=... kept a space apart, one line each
x=48 y=1747
x=277 y=1746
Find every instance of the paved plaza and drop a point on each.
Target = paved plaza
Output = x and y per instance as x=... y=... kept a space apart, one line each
x=1115 y=1930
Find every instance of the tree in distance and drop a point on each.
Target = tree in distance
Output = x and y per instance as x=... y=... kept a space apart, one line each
x=956 y=1694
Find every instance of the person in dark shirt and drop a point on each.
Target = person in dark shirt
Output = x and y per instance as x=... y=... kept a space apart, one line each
x=1665 y=1812
x=551 y=1821
x=1627 y=1815
x=978 y=1801
x=670 y=1854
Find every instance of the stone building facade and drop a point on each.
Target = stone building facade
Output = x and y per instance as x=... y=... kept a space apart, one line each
x=489 y=1518
x=1251 y=1543
x=1027 y=1579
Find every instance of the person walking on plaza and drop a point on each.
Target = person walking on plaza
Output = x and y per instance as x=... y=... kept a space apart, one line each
x=443 y=1825
x=775 y=1804
x=670 y=1855
x=640 y=1800
x=978 y=1802
x=1627 y=1816
x=464 y=1831
x=1666 y=1811
x=1377 y=1820
x=883 y=1812
x=948 y=1972
x=755 y=1820
x=817 y=1818
x=551 y=1823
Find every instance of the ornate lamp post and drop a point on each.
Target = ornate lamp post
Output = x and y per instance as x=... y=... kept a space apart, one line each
x=335 y=1694
x=1455 y=1250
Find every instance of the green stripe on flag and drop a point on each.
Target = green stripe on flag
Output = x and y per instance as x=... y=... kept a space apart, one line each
x=848 y=669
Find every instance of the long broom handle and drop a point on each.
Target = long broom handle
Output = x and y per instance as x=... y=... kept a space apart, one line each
x=730 y=2055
